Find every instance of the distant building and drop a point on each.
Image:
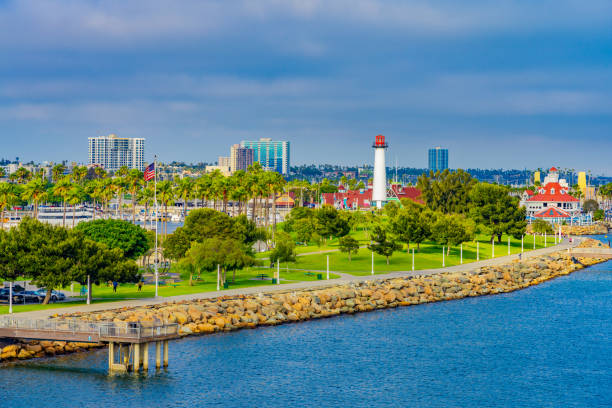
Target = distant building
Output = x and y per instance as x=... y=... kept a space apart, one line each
x=240 y=157
x=112 y=152
x=272 y=155
x=225 y=170
x=536 y=177
x=552 y=201
x=438 y=159
x=225 y=162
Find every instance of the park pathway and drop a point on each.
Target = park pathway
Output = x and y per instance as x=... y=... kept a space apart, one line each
x=344 y=278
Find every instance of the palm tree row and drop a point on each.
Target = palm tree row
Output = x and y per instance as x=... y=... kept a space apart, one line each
x=255 y=186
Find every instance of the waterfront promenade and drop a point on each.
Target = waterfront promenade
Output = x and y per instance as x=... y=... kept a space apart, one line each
x=344 y=278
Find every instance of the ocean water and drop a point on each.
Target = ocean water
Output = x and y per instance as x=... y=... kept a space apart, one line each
x=545 y=346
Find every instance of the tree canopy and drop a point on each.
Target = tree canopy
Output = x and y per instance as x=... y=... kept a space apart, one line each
x=130 y=238
x=447 y=192
x=492 y=207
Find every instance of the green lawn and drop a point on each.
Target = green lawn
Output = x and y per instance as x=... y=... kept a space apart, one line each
x=429 y=256
x=34 y=306
x=246 y=278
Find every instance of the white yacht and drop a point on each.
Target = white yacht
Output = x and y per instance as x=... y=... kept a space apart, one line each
x=55 y=215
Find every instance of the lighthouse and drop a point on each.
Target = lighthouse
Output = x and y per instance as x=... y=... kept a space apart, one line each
x=379 y=191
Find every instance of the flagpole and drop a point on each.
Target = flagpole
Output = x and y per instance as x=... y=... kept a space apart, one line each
x=156 y=219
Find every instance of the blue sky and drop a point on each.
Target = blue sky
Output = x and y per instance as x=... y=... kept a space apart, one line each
x=509 y=84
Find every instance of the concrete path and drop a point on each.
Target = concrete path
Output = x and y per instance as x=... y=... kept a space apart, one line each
x=345 y=278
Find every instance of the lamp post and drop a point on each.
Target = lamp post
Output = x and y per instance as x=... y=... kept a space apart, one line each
x=478 y=250
x=327 y=267
x=218 y=270
x=508 y=245
x=372 y=262
x=278 y=272
x=493 y=249
x=443 y=260
x=413 y=259
x=461 y=251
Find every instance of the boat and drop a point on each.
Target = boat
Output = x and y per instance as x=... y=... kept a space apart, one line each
x=55 y=215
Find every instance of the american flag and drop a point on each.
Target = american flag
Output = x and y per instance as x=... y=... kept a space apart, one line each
x=149 y=173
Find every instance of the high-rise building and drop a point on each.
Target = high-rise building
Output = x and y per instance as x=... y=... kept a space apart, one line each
x=438 y=159
x=272 y=155
x=112 y=152
x=240 y=157
x=225 y=162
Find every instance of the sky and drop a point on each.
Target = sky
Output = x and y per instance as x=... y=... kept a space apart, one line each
x=504 y=84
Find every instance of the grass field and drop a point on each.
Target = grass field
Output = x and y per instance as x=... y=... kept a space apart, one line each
x=429 y=256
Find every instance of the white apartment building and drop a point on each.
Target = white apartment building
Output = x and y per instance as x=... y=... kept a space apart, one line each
x=112 y=152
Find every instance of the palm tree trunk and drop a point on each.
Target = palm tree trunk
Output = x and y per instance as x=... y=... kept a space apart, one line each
x=274 y=212
x=2 y=219
x=64 y=220
x=73 y=211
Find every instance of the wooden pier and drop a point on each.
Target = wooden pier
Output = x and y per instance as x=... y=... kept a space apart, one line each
x=128 y=342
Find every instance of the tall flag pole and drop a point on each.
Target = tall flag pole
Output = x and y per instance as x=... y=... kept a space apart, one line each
x=156 y=221
x=151 y=173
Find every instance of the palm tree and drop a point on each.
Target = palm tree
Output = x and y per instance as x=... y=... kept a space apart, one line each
x=277 y=186
x=57 y=172
x=2 y=172
x=8 y=196
x=79 y=173
x=22 y=175
x=254 y=176
x=74 y=197
x=184 y=190
x=118 y=188
x=100 y=172
x=61 y=189
x=201 y=188
x=145 y=197
x=133 y=181
x=165 y=194
x=35 y=191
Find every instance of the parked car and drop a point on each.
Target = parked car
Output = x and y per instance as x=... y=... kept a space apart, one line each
x=27 y=296
x=4 y=292
x=55 y=295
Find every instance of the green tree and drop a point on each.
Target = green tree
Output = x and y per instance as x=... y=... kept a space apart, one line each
x=130 y=238
x=9 y=194
x=207 y=223
x=57 y=172
x=598 y=215
x=35 y=191
x=541 y=227
x=382 y=244
x=284 y=248
x=590 y=206
x=349 y=245
x=452 y=230
x=492 y=207
x=134 y=181
x=412 y=223
x=329 y=223
x=62 y=189
x=95 y=263
x=228 y=253
x=22 y=175
x=447 y=192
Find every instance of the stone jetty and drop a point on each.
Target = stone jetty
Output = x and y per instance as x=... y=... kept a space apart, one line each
x=223 y=314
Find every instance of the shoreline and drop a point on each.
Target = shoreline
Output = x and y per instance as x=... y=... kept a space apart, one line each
x=213 y=314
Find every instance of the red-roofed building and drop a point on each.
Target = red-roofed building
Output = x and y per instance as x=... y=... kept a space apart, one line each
x=356 y=199
x=551 y=202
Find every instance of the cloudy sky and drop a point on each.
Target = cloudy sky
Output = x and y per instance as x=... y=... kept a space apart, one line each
x=502 y=84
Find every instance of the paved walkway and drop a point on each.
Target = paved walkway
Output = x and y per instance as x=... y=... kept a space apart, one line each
x=344 y=278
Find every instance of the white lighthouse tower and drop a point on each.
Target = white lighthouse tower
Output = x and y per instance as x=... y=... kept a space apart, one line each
x=379 y=191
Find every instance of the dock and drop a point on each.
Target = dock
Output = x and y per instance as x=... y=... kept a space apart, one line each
x=128 y=342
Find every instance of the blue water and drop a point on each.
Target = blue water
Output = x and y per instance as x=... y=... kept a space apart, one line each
x=545 y=346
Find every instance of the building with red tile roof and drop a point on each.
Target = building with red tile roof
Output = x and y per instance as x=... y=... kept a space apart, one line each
x=358 y=199
x=552 y=201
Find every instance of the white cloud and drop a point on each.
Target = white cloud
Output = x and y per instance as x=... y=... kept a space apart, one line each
x=150 y=23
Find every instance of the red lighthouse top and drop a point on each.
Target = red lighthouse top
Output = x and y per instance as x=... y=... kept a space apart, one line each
x=379 y=141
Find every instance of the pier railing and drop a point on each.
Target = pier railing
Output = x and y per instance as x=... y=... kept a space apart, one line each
x=60 y=329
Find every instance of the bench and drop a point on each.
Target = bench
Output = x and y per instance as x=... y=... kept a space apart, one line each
x=309 y=273
x=172 y=282
x=262 y=276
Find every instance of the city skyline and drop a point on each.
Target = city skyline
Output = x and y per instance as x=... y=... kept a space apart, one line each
x=498 y=85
